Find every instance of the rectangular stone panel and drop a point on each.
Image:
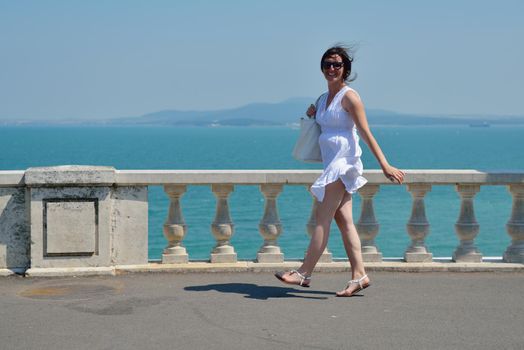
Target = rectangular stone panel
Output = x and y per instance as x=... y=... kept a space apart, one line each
x=70 y=227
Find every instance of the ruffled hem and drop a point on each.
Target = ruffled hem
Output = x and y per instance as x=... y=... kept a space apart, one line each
x=350 y=175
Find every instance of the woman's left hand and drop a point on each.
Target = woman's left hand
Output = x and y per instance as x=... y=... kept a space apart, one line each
x=311 y=111
x=394 y=174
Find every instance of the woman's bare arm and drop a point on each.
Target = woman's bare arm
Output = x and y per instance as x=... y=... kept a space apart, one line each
x=354 y=106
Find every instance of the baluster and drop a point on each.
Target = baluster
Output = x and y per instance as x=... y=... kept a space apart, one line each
x=270 y=227
x=326 y=256
x=467 y=227
x=367 y=225
x=515 y=226
x=418 y=225
x=222 y=227
x=175 y=227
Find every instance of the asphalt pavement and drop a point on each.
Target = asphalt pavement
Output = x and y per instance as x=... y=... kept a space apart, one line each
x=437 y=310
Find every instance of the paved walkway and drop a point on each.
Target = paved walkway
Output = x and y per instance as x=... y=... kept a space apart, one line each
x=255 y=311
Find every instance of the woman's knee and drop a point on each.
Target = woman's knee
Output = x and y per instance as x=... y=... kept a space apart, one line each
x=343 y=219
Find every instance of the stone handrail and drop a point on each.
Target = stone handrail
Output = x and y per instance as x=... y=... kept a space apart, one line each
x=16 y=178
x=96 y=217
x=299 y=177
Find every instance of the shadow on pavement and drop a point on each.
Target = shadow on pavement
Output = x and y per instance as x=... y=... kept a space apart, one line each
x=253 y=291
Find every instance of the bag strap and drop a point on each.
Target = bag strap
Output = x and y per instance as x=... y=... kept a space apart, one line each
x=316 y=106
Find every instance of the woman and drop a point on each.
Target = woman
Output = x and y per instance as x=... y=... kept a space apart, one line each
x=340 y=114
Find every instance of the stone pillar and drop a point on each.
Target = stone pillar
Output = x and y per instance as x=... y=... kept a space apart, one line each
x=175 y=228
x=467 y=227
x=367 y=225
x=222 y=227
x=418 y=225
x=515 y=226
x=270 y=227
x=326 y=256
x=80 y=219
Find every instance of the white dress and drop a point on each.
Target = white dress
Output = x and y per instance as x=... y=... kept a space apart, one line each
x=339 y=146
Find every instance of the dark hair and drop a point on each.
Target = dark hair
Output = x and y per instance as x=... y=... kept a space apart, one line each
x=347 y=58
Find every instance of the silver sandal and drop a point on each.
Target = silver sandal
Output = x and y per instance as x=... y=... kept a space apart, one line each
x=303 y=278
x=361 y=286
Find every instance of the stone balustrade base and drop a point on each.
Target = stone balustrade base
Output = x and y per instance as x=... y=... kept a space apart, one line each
x=458 y=256
x=255 y=267
x=222 y=258
x=372 y=257
x=272 y=258
x=418 y=257
x=175 y=259
x=514 y=254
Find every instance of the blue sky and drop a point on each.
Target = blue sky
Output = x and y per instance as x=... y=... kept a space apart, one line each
x=105 y=59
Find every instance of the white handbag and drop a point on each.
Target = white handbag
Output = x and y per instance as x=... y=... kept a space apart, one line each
x=307 y=148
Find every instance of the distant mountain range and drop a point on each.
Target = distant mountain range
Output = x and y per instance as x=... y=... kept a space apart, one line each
x=273 y=114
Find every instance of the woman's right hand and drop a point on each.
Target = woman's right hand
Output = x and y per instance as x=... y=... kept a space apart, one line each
x=311 y=111
x=394 y=174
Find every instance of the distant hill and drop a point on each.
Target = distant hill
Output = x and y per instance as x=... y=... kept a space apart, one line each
x=281 y=113
x=275 y=114
x=290 y=111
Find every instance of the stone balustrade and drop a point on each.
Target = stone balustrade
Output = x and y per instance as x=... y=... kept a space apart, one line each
x=95 y=218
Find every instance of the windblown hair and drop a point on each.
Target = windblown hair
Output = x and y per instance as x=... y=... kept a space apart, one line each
x=347 y=58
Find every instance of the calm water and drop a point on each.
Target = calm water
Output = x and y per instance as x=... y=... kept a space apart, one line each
x=494 y=148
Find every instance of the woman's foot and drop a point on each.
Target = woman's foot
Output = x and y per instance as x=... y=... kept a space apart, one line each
x=355 y=286
x=294 y=277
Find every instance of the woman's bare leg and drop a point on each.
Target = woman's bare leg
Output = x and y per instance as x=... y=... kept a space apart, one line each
x=344 y=220
x=334 y=193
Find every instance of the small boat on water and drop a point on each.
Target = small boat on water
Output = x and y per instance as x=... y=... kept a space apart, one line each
x=479 y=125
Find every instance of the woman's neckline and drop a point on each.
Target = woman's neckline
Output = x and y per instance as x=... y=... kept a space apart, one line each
x=326 y=105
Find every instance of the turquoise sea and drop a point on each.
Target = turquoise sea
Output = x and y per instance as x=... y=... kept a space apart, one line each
x=435 y=147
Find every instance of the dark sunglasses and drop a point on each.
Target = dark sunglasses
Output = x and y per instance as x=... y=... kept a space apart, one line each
x=336 y=65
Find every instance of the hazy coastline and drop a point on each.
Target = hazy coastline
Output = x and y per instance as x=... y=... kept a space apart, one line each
x=283 y=114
